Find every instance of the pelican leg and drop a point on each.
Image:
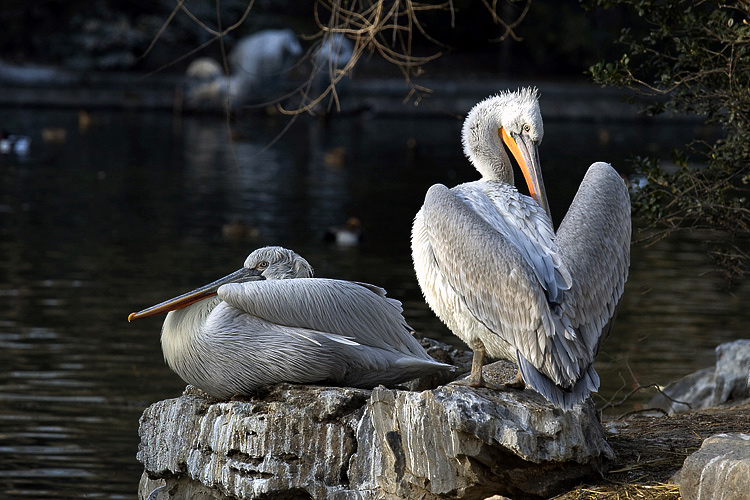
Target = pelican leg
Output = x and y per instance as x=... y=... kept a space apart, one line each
x=475 y=379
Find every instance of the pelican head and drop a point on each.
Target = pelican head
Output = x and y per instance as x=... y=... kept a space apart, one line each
x=267 y=263
x=513 y=120
x=278 y=263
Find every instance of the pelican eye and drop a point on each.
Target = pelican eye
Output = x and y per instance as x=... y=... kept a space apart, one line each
x=526 y=128
x=263 y=264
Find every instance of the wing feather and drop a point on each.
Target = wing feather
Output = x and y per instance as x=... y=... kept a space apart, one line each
x=358 y=313
x=485 y=258
x=525 y=224
x=594 y=243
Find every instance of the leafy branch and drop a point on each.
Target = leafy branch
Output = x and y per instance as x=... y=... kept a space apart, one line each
x=692 y=58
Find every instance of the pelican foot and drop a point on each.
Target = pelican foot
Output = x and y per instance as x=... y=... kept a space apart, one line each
x=465 y=382
x=468 y=382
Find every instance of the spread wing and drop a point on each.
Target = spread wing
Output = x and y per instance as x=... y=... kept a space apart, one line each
x=357 y=312
x=594 y=244
x=497 y=253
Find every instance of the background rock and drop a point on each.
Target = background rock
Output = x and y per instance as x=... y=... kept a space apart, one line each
x=726 y=383
x=720 y=469
x=732 y=372
x=693 y=391
x=445 y=354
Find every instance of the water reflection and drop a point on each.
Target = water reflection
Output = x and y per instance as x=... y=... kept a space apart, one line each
x=128 y=213
x=675 y=311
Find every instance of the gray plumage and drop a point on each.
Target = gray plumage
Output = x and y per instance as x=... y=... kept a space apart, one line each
x=273 y=322
x=492 y=268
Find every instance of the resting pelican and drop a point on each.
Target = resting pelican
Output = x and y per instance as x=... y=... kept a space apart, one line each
x=264 y=328
x=491 y=267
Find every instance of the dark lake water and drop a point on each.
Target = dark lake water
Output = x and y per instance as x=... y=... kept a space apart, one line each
x=129 y=211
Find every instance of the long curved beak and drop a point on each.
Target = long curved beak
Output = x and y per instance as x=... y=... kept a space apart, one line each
x=526 y=153
x=204 y=292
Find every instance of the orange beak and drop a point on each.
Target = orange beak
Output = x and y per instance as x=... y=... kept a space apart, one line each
x=204 y=292
x=525 y=152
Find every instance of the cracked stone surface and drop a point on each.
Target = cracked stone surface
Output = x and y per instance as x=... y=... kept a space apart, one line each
x=294 y=438
x=720 y=469
x=459 y=442
x=343 y=443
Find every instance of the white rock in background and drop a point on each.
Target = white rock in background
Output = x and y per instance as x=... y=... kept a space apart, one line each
x=727 y=382
x=732 y=372
x=719 y=470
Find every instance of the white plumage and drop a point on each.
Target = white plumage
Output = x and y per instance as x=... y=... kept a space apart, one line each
x=272 y=322
x=492 y=268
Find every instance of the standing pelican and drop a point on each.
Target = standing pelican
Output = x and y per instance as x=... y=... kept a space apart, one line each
x=264 y=328
x=491 y=267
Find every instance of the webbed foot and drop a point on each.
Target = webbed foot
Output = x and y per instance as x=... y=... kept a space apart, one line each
x=475 y=379
x=468 y=382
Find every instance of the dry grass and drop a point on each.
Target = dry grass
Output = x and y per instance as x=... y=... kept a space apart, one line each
x=650 y=450
x=658 y=491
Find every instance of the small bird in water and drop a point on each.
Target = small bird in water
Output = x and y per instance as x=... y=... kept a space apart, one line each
x=272 y=322
x=491 y=266
x=349 y=235
x=239 y=230
x=14 y=143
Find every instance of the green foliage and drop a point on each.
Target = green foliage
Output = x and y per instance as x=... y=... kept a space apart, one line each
x=693 y=58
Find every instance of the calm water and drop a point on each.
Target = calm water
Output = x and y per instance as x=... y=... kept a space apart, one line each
x=129 y=212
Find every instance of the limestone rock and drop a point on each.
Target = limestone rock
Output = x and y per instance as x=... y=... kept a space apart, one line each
x=343 y=443
x=295 y=439
x=719 y=469
x=726 y=383
x=459 y=442
x=732 y=372
x=166 y=489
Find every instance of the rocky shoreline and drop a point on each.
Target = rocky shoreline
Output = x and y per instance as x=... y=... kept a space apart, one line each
x=342 y=443
x=442 y=442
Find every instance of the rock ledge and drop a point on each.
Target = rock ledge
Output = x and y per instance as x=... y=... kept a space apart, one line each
x=343 y=443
